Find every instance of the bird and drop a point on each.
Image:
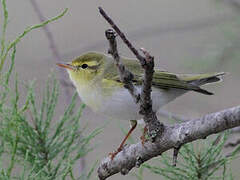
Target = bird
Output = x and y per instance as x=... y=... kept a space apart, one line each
x=99 y=86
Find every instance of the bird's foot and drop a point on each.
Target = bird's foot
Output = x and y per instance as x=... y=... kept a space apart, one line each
x=133 y=126
x=113 y=154
x=143 y=140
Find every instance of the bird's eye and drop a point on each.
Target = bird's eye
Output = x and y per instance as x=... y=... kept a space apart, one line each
x=84 y=66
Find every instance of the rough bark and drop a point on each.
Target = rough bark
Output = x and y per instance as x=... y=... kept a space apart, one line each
x=173 y=136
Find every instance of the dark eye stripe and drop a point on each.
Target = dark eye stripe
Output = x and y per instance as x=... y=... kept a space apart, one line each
x=94 y=67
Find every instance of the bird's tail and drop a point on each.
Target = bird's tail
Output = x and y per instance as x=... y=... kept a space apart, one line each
x=201 y=79
x=209 y=78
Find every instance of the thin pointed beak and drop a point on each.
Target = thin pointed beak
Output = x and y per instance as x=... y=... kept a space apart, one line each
x=66 y=66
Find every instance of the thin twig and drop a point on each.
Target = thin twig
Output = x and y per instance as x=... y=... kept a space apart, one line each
x=175 y=155
x=163 y=30
x=125 y=40
x=125 y=75
x=146 y=104
x=147 y=63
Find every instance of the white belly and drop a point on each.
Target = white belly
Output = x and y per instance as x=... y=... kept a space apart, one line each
x=121 y=105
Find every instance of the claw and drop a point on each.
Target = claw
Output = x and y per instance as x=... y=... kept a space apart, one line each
x=113 y=154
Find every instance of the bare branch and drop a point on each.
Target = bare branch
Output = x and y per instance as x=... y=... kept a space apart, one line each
x=146 y=105
x=123 y=37
x=147 y=62
x=175 y=154
x=172 y=137
x=144 y=99
x=163 y=30
x=125 y=76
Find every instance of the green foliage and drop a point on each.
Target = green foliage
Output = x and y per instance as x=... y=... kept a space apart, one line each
x=207 y=162
x=51 y=148
x=197 y=160
x=37 y=143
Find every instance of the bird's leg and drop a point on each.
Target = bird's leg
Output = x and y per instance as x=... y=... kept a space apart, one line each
x=143 y=137
x=133 y=126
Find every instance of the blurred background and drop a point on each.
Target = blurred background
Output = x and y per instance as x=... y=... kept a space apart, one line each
x=184 y=36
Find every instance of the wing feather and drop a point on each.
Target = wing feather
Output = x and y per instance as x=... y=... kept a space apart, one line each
x=164 y=79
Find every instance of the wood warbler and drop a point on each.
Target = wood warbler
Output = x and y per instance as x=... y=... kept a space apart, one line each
x=97 y=81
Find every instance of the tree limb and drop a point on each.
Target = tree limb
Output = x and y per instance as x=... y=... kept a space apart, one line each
x=165 y=137
x=172 y=137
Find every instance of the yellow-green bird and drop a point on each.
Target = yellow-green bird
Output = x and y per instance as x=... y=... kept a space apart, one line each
x=97 y=81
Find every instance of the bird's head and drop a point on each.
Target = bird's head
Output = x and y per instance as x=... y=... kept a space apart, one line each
x=85 y=68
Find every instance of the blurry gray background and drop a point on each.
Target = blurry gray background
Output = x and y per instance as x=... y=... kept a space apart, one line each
x=185 y=36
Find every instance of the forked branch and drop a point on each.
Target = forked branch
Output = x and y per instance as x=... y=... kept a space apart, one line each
x=164 y=137
x=147 y=63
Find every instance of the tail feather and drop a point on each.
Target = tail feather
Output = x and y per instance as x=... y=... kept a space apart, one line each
x=188 y=82
x=211 y=79
x=203 y=91
x=199 y=80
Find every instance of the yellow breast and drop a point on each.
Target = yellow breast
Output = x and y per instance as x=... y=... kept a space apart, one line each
x=96 y=91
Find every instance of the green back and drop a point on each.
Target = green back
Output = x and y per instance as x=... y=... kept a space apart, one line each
x=166 y=80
